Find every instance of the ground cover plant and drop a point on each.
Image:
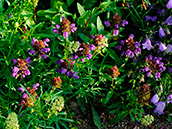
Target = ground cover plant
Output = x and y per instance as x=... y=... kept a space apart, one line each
x=114 y=53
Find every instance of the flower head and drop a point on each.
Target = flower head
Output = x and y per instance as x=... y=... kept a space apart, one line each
x=56 y=82
x=161 y=33
x=162 y=47
x=169 y=4
x=114 y=72
x=155 y=99
x=160 y=107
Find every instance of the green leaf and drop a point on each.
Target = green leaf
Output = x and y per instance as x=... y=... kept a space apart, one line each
x=96 y=118
x=83 y=37
x=104 y=5
x=93 y=29
x=45 y=12
x=69 y=2
x=116 y=105
x=89 y=3
x=113 y=55
x=100 y=26
x=108 y=97
x=81 y=9
x=119 y=117
x=81 y=103
x=169 y=117
x=132 y=116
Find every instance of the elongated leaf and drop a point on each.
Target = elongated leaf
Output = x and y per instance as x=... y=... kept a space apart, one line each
x=119 y=117
x=69 y=2
x=113 y=55
x=96 y=118
x=93 y=29
x=83 y=37
x=100 y=26
x=108 y=97
x=81 y=9
x=132 y=116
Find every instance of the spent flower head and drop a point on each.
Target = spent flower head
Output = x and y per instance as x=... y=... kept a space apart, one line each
x=12 y=121
x=56 y=82
x=114 y=72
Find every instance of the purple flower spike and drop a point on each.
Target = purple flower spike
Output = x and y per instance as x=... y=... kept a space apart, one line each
x=14 y=61
x=169 y=99
x=169 y=4
x=147 y=44
x=35 y=86
x=115 y=32
x=160 y=107
x=162 y=47
x=107 y=23
x=155 y=99
x=65 y=34
x=22 y=90
x=161 y=33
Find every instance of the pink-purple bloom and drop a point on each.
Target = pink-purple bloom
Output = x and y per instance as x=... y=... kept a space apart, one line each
x=161 y=32
x=169 y=4
x=162 y=47
x=169 y=99
x=147 y=44
x=35 y=86
x=155 y=99
x=107 y=23
x=160 y=107
x=169 y=47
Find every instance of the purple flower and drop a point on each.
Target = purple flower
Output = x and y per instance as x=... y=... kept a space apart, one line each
x=170 y=70
x=148 y=17
x=168 y=20
x=124 y=23
x=116 y=26
x=160 y=107
x=154 y=19
x=162 y=47
x=115 y=32
x=169 y=4
x=119 y=47
x=15 y=69
x=65 y=34
x=25 y=95
x=75 y=77
x=169 y=47
x=92 y=47
x=22 y=90
x=148 y=74
x=155 y=99
x=35 y=86
x=63 y=70
x=107 y=23
x=72 y=27
x=28 y=60
x=14 y=61
x=32 y=51
x=169 y=99
x=146 y=69
x=55 y=31
x=44 y=56
x=161 y=33
x=57 y=26
x=9 y=15
x=147 y=44
x=27 y=72
x=157 y=75
x=89 y=56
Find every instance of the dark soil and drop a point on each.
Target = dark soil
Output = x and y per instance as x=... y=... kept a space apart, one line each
x=86 y=121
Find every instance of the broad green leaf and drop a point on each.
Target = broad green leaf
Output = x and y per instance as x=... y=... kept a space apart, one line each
x=96 y=118
x=104 y=5
x=100 y=26
x=45 y=12
x=69 y=2
x=89 y=3
x=83 y=37
x=113 y=55
x=93 y=29
x=108 y=97
x=81 y=9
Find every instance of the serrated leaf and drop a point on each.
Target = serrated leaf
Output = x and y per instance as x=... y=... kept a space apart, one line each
x=96 y=118
x=100 y=26
x=81 y=9
x=108 y=97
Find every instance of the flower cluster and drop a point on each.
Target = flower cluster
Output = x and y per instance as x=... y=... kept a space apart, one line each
x=153 y=65
x=160 y=105
x=114 y=72
x=115 y=23
x=57 y=106
x=129 y=47
x=147 y=120
x=56 y=82
x=100 y=42
x=84 y=50
x=39 y=47
x=66 y=28
x=12 y=121
x=21 y=67
x=27 y=100
x=65 y=67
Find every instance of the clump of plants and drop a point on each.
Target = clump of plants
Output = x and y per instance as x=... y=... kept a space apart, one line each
x=117 y=53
